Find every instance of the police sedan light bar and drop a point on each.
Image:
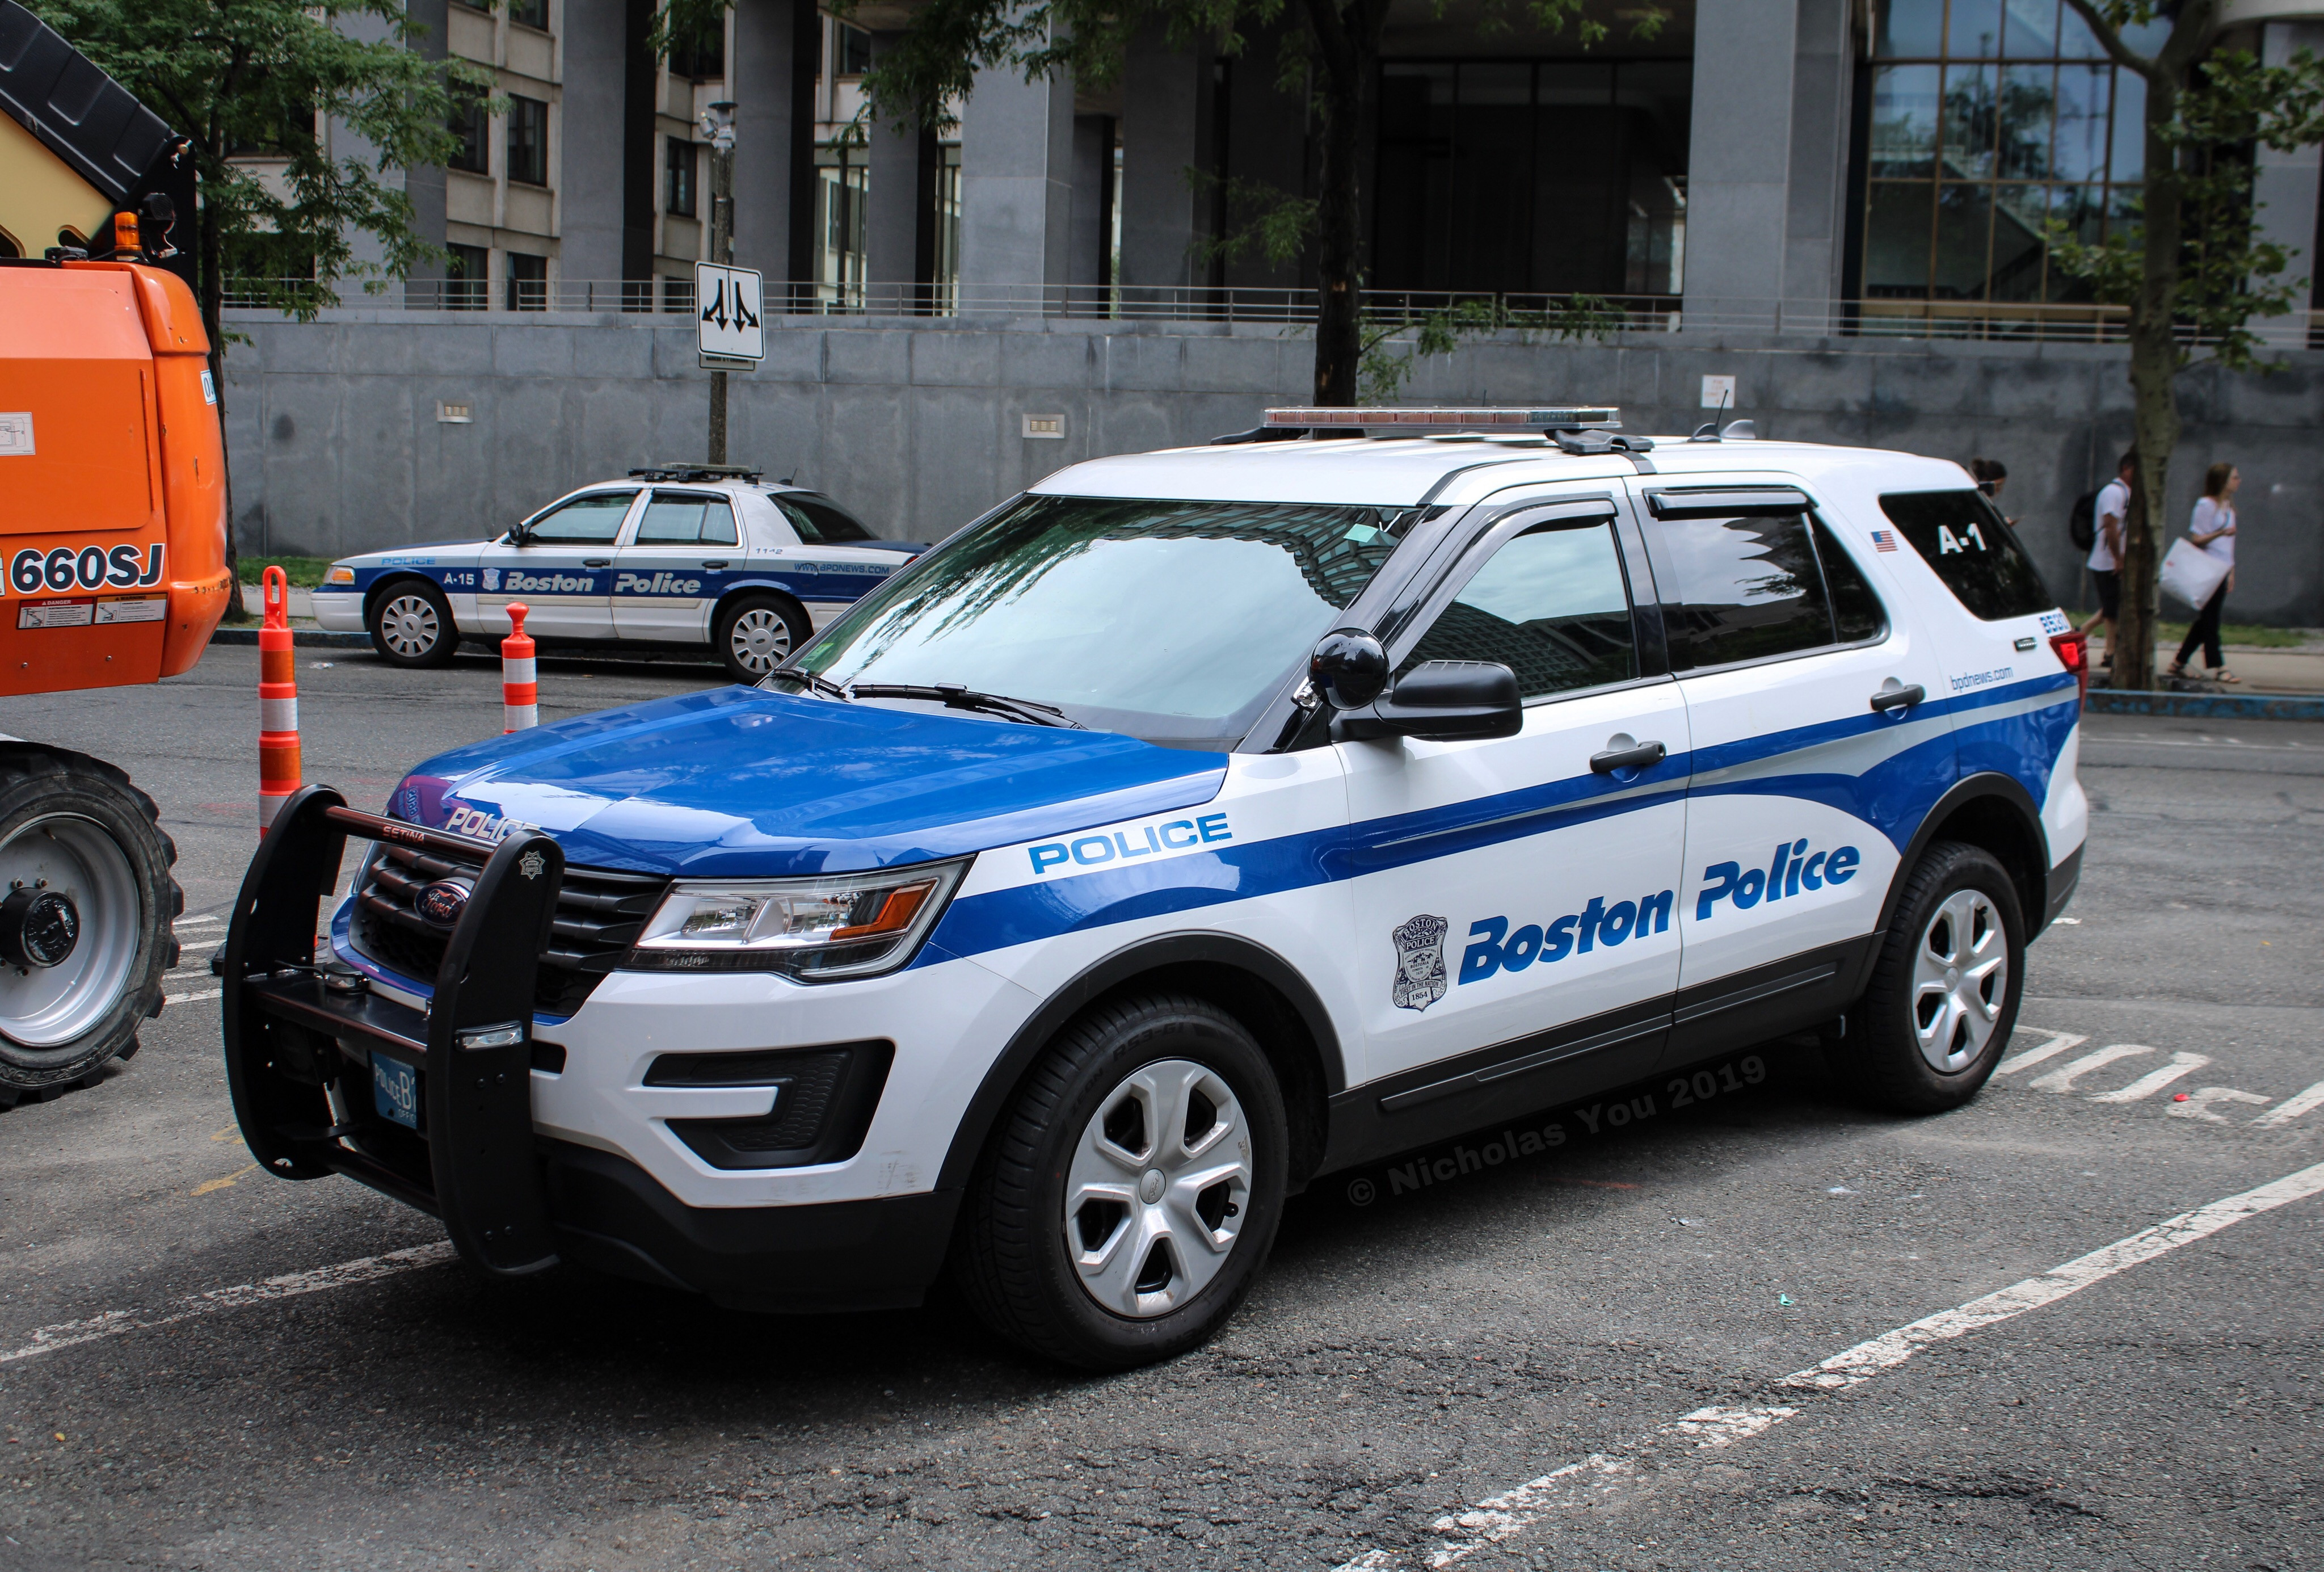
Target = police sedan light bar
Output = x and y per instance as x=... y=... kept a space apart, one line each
x=1512 y=418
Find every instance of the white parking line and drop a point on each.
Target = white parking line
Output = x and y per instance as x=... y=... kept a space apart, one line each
x=2154 y=1081
x=2294 y=1106
x=2062 y=1080
x=192 y=998
x=2199 y=1101
x=2059 y=1041
x=1603 y=1477
x=113 y=1323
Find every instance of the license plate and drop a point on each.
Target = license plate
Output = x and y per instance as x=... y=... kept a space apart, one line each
x=395 y=1090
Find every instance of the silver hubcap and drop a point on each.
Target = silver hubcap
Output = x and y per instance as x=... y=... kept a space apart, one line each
x=54 y=1006
x=407 y=626
x=1159 y=1189
x=761 y=640
x=1961 y=978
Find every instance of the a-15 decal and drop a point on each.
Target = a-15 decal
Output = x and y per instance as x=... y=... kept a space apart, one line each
x=33 y=571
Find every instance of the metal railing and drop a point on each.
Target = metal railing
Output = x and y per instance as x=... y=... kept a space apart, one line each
x=1398 y=311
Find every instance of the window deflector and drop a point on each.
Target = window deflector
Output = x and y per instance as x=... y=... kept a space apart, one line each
x=1725 y=501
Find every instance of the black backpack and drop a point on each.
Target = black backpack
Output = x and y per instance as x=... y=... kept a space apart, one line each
x=2082 y=524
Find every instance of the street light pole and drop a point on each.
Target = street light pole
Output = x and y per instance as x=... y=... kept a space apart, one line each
x=718 y=123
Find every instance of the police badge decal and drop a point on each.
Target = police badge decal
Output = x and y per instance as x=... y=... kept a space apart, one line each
x=1420 y=979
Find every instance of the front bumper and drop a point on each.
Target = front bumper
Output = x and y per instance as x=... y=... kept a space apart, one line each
x=339 y=611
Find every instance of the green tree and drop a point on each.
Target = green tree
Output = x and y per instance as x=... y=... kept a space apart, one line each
x=1331 y=58
x=245 y=81
x=2191 y=270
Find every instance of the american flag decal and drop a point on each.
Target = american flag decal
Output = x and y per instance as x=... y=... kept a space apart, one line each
x=1884 y=539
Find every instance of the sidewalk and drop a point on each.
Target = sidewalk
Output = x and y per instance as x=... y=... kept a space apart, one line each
x=2295 y=670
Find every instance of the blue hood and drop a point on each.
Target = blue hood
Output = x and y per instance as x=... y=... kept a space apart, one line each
x=737 y=782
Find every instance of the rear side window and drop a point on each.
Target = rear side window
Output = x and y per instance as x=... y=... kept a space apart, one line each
x=1749 y=589
x=687 y=518
x=1961 y=535
x=1857 y=614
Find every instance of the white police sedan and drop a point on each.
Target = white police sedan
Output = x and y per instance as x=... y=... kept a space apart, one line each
x=682 y=554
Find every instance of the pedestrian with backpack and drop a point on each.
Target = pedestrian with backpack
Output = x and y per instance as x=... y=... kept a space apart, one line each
x=2213 y=532
x=2105 y=562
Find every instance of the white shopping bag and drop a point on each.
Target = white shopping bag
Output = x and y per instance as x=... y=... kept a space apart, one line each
x=2191 y=574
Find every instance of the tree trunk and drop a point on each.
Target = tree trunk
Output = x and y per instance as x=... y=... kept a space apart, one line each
x=211 y=255
x=1348 y=54
x=2154 y=361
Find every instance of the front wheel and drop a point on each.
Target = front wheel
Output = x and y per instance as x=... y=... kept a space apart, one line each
x=412 y=626
x=86 y=908
x=1128 y=1199
x=1944 y=991
x=757 y=634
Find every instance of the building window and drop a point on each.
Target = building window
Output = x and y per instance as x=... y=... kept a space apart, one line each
x=528 y=140
x=842 y=186
x=528 y=282
x=473 y=127
x=529 y=13
x=1990 y=119
x=851 y=51
x=467 y=278
x=701 y=55
x=679 y=197
x=946 y=282
x=1533 y=177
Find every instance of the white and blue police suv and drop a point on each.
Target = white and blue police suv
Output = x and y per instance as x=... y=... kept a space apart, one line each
x=680 y=555
x=1192 y=825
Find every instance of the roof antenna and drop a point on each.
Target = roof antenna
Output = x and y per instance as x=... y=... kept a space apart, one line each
x=1709 y=430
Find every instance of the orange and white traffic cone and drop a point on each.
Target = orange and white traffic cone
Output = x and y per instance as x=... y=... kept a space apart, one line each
x=279 y=768
x=519 y=687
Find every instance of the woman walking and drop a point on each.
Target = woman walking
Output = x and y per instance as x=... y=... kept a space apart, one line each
x=2213 y=528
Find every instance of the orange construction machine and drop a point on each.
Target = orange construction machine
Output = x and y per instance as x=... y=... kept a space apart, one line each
x=112 y=522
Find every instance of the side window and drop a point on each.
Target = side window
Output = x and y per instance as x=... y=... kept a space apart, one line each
x=1856 y=615
x=685 y=518
x=1747 y=588
x=590 y=519
x=1973 y=549
x=1550 y=605
x=820 y=522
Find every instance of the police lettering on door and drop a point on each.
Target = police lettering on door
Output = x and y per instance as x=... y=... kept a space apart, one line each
x=1793 y=869
x=656 y=584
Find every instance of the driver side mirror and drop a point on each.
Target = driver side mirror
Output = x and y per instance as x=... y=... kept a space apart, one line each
x=1442 y=701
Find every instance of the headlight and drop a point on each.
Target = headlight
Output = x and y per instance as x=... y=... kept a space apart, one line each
x=827 y=927
x=339 y=576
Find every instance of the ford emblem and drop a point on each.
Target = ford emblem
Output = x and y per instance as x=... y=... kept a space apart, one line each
x=441 y=903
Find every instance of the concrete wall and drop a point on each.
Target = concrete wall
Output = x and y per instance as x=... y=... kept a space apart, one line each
x=336 y=446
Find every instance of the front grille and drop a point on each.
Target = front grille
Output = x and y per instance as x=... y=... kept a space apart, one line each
x=598 y=915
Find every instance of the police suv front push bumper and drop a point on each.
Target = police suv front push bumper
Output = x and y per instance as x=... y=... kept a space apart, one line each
x=301 y=1053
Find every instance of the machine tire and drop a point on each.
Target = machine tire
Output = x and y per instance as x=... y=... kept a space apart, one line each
x=1011 y=1256
x=399 y=628
x=732 y=631
x=78 y=823
x=1956 y=899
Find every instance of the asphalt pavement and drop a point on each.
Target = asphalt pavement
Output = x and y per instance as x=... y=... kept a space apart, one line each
x=1590 y=1357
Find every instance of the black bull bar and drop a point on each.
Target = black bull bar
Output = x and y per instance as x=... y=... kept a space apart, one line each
x=292 y=1040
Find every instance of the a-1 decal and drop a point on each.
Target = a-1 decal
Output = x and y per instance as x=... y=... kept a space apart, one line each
x=33 y=571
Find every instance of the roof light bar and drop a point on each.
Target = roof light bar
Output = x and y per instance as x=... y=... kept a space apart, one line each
x=1513 y=418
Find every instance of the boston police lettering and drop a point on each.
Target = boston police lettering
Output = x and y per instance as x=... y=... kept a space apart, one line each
x=1795 y=868
x=1494 y=949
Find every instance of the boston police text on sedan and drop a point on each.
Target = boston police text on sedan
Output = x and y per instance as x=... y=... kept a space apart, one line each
x=1192 y=826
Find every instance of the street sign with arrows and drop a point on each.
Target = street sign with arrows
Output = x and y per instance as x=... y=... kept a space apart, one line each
x=728 y=330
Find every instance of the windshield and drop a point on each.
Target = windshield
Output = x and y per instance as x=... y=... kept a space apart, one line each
x=1171 y=621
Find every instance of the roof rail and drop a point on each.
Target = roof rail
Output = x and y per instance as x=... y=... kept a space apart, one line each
x=1398 y=421
x=697 y=472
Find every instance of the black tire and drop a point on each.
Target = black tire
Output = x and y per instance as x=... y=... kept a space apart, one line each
x=1011 y=1259
x=1884 y=1056
x=59 y=813
x=755 y=633
x=411 y=624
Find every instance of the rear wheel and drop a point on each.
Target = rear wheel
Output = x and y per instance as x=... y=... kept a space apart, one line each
x=1130 y=1197
x=756 y=633
x=1944 y=991
x=411 y=624
x=86 y=907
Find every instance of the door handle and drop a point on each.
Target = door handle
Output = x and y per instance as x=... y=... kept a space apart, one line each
x=596 y=561
x=1637 y=757
x=1889 y=699
x=720 y=563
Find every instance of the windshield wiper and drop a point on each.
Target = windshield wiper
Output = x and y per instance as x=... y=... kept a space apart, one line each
x=814 y=683
x=953 y=696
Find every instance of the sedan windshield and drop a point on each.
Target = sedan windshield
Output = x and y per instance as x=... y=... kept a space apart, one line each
x=1171 y=621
